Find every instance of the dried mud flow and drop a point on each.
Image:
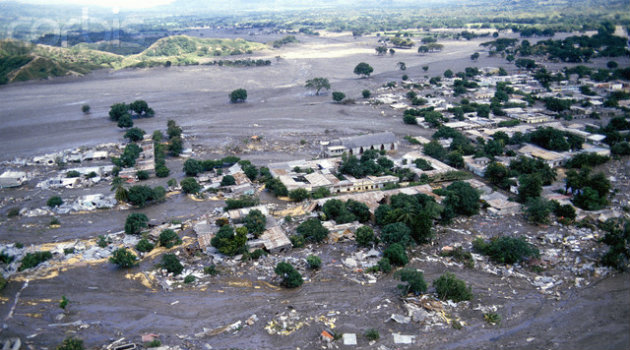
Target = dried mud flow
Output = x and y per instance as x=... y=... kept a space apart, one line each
x=108 y=304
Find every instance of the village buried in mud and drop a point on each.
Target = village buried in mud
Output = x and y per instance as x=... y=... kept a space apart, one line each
x=476 y=202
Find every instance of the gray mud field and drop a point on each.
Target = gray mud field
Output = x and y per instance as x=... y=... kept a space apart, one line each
x=106 y=304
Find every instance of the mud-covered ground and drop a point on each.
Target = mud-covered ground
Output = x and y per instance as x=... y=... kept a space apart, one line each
x=107 y=304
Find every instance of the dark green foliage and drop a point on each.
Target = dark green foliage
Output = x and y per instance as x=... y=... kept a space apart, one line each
x=506 y=250
x=435 y=150
x=103 y=241
x=13 y=212
x=189 y=279
x=338 y=96
x=298 y=195
x=460 y=255
x=564 y=212
x=370 y=163
x=171 y=263
x=415 y=281
x=210 y=270
x=229 y=243
x=238 y=96
x=284 y=41
x=250 y=171
x=371 y=334
x=462 y=198
x=255 y=222
x=396 y=233
x=492 y=318
x=33 y=259
x=396 y=255
x=365 y=236
x=297 y=241
x=142 y=175
x=525 y=165
x=190 y=185
x=590 y=191
x=5 y=258
x=530 y=186
x=537 y=210
x=192 y=167
x=134 y=134
x=498 y=175
x=135 y=222
x=71 y=344
x=317 y=84
x=450 y=287
x=416 y=212
x=118 y=110
x=144 y=246
x=123 y=258
x=621 y=149
x=63 y=303
x=168 y=238
x=290 y=277
x=410 y=119
x=228 y=180
x=363 y=69
x=240 y=202
x=366 y=93
x=73 y=173
x=256 y=254
x=162 y=171
x=314 y=262
x=3 y=282
x=68 y=251
x=312 y=230
x=176 y=146
x=276 y=187
x=422 y=164
x=555 y=140
x=54 y=201
x=125 y=121
x=618 y=239
x=384 y=265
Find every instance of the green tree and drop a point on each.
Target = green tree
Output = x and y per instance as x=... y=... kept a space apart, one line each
x=498 y=175
x=54 y=201
x=276 y=187
x=144 y=246
x=117 y=110
x=364 y=236
x=506 y=250
x=192 y=167
x=238 y=96
x=450 y=287
x=338 y=96
x=530 y=186
x=85 y=109
x=229 y=243
x=228 y=180
x=290 y=277
x=363 y=69
x=448 y=73
x=396 y=233
x=190 y=185
x=298 y=195
x=135 y=222
x=168 y=238
x=462 y=198
x=123 y=258
x=312 y=230
x=134 y=134
x=537 y=210
x=255 y=222
x=415 y=281
x=171 y=263
x=366 y=93
x=125 y=121
x=396 y=255
x=317 y=84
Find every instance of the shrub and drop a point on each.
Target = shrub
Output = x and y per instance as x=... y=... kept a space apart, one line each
x=365 y=236
x=371 y=334
x=33 y=259
x=54 y=201
x=298 y=195
x=63 y=303
x=314 y=262
x=384 y=265
x=297 y=241
x=290 y=277
x=162 y=171
x=102 y=241
x=123 y=258
x=68 y=251
x=450 y=287
x=85 y=108
x=256 y=254
x=189 y=279
x=210 y=270
x=135 y=222
x=73 y=173
x=171 y=263
x=228 y=180
x=171 y=183
x=154 y=343
x=54 y=222
x=338 y=96
x=255 y=222
x=71 y=344
x=396 y=255
x=321 y=192
x=396 y=233
x=168 y=238
x=238 y=96
x=537 y=210
x=134 y=134
x=240 y=202
x=492 y=318
x=142 y=175
x=144 y=246
x=415 y=281
x=312 y=230
x=366 y=93
x=6 y=258
x=506 y=250
x=190 y=185
x=13 y=212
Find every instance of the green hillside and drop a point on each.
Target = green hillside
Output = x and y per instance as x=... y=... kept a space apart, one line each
x=20 y=61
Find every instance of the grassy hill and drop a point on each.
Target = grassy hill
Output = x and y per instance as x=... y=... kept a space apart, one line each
x=20 y=61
